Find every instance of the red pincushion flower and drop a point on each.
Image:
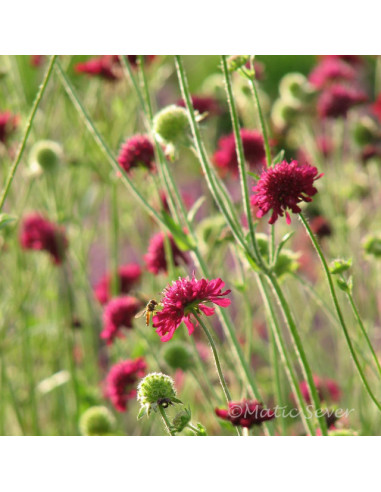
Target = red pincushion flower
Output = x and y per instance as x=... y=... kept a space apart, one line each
x=8 y=124
x=337 y=100
x=203 y=104
x=36 y=60
x=133 y=59
x=39 y=234
x=351 y=59
x=320 y=226
x=328 y=390
x=118 y=314
x=102 y=66
x=282 y=187
x=121 y=382
x=156 y=258
x=245 y=413
x=135 y=152
x=183 y=297
x=128 y=276
x=225 y=157
x=376 y=107
x=331 y=70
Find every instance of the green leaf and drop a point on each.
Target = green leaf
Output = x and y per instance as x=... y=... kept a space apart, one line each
x=142 y=412
x=183 y=241
x=253 y=175
x=279 y=157
x=283 y=241
x=176 y=400
x=252 y=263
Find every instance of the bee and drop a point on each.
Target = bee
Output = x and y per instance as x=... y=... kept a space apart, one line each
x=148 y=311
x=164 y=402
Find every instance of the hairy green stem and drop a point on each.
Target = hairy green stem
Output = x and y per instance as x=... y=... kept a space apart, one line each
x=167 y=424
x=338 y=311
x=28 y=128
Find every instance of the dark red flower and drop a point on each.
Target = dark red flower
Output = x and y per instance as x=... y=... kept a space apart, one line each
x=331 y=70
x=337 y=100
x=282 y=187
x=328 y=390
x=102 y=66
x=137 y=151
x=156 y=258
x=225 y=158
x=184 y=297
x=320 y=226
x=39 y=234
x=36 y=60
x=245 y=413
x=376 y=107
x=203 y=104
x=128 y=276
x=133 y=59
x=121 y=382
x=8 y=124
x=118 y=314
x=369 y=152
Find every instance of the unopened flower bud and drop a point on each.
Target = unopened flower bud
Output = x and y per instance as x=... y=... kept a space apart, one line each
x=178 y=356
x=171 y=125
x=181 y=420
x=97 y=421
x=45 y=155
x=365 y=131
x=372 y=245
x=340 y=266
x=294 y=86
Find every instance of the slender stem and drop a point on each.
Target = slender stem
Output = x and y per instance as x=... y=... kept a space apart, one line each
x=240 y=158
x=286 y=361
x=104 y=147
x=167 y=424
x=338 y=311
x=28 y=128
x=245 y=432
x=262 y=121
x=299 y=350
x=216 y=358
x=114 y=239
x=363 y=330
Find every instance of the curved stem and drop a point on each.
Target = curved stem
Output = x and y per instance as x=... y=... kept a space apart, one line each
x=167 y=424
x=28 y=128
x=338 y=311
x=216 y=358
x=299 y=351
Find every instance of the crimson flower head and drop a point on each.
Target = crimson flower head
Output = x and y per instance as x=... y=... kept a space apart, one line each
x=133 y=59
x=156 y=257
x=127 y=276
x=328 y=390
x=185 y=297
x=225 y=158
x=137 y=151
x=337 y=100
x=331 y=70
x=245 y=413
x=121 y=382
x=8 y=124
x=282 y=187
x=118 y=313
x=203 y=104
x=102 y=66
x=39 y=234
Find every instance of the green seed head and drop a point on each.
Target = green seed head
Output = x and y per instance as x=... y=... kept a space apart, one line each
x=372 y=245
x=46 y=155
x=178 y=356
x=294 y=87
x=97 y=421
x=155 y=387
x=171 y=125
x=181 y=420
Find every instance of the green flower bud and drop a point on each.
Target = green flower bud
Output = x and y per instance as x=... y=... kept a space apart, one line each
x=287 y=262
x=171 y=125
x=97 y=421
x=365 y=131
x=372 y=245
x=181 y=420
x=45 y=155
x=284 y=112
x=236 y=62
x=178 y=356
x=156 y=389
x=339 y=266
x=294 y=87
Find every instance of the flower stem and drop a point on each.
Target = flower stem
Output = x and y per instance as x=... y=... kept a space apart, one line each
x=216 y=358
x=167 y=424
x=338 y=310
x=363 y=330
x=299 y=350
x=28 y=128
